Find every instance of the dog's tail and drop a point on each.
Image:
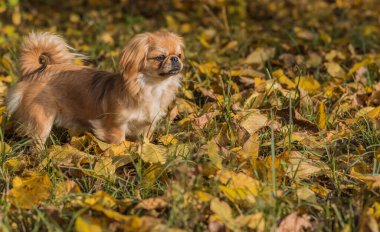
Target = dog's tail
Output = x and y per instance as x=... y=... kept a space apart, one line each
x=42 y=49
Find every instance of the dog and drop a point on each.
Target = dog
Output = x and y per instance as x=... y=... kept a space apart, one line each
x=52 y=90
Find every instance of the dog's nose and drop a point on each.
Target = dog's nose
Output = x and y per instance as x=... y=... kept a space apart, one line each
x=174 y=59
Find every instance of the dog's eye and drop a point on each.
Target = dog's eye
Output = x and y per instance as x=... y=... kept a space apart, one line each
x=179 y=56
x=160 y=58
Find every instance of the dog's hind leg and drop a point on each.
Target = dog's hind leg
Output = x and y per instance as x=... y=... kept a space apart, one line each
x=38 y=125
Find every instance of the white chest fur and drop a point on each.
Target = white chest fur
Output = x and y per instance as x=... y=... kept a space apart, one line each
x=154 y=99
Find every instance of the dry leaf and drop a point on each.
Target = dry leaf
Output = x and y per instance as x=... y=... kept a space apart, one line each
x=30 y=191
x=307 y=83
x=88 y=224
x=152 y=153
x=304 y=167
x=295 y=223
x=254 y=121
x=213 y=152
x=152 y=203
x=260 y=56
x=335 y=70
x=239 y=188
x=168 y=139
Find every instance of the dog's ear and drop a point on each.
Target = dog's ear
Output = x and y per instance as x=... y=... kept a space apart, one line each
x=181 y=44
x=133 y=60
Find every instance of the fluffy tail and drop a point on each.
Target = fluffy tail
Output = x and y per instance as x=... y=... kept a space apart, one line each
x=41 y=49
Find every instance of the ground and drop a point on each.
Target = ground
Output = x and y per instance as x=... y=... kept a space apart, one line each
x=276 y=126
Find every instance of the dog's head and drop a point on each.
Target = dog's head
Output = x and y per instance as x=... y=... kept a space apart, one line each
x=157 y=55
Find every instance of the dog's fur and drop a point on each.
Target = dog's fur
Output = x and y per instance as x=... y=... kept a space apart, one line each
x=54 y=91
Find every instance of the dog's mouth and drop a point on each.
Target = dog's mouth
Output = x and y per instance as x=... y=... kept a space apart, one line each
x=171 y=72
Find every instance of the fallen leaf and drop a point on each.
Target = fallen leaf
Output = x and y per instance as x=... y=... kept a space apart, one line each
x=105 y=168
x=303 y=33
x=224 y=212
x=295 y=222
x=322 y=118
x=31 y=190
x=168 y=139
x=260 y=56
x=88 y=224
x=238 y=187
x=152 y=153
x=152 y=203
x=335 y=70
x=253 y=121
x=213 y=153
x=283 y=79
x=304 y=167
x=307 y=83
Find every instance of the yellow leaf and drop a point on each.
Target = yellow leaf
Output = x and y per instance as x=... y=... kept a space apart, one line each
x=16 y=16
x=119 y=149
x=231 y=45
x=306 y=194
x=325 y=37
x=366 y=62
x=101 y=145
x=179 y=150
x=303 y=33
x=334 y=54
x=105 y=168
x=185 y=106
x=322 y=119
x=283 y=79
x=168 y=139
x=370 y=29
x=30 y=191
x=260 y=56
x=251 y=149
x=204 y=197
x=66 y=156
x=106 y=37
x=208 y=34
x=303 y=167
x=203 y=42
x=213 y=153
x=224 y=211
x=307 y=83
x=14 y=165
x=7 y=63
x=208 y=68
x=87 y=224
x=335 y=70
x=74 y=18
x=239 y=187
x=186 y=28
x=314 y=60
x=4 y=147
x=152 y=153
x=188 y=94
x=254 y=221
x=374 y=114
x=64 y=188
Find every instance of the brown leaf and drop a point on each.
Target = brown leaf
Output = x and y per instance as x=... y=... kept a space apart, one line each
x=253 y=121
x=152 y=203
x=295 y=222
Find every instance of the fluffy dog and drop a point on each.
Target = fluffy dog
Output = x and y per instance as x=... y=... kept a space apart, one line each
x=54 y=91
